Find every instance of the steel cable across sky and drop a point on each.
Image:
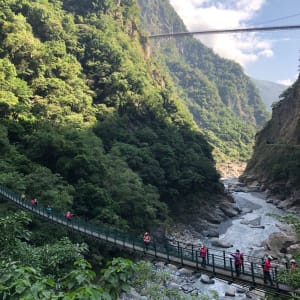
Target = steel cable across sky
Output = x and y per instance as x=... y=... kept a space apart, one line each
x=220 y=31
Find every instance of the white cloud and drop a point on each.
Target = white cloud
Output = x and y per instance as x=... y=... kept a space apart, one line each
x=286 y=82
x=225 y=14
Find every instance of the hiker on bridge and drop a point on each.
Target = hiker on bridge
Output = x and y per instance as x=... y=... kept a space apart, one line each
x=33 y=202
x=293 y=264
x=49 y=210
x=238 y=261
x=266 y=268
x=68 y=215
x=203 y=254
x=147 y=239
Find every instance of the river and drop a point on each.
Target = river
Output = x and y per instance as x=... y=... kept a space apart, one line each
x=249 y=229
x=245 y=232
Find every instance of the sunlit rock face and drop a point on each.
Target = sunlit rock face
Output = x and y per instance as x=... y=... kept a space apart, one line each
x=276 y=160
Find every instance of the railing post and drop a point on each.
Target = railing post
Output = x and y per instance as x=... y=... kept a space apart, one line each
x=168 y=255
x=197 y=261
x=207 y=254
x=231 y=267
x=275 y=279
x=252 y=273
x=224 y=259
x=181 y=256
x=178 y=248
x=213 y=264
x=192 y=252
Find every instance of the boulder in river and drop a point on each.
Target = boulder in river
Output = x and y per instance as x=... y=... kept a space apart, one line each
x=187 y=272
x=205 y=279
x=230 y=292
x=212 y=233
x=229 y=211
x=220 y=243
x=279 y=242
x=215 y=217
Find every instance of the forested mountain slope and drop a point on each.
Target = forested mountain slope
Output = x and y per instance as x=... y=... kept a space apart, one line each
x=269 y=91
x=222 y=99
x=276 y=159
x=89 y=123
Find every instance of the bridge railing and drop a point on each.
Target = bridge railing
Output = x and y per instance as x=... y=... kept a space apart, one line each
x=215 y=258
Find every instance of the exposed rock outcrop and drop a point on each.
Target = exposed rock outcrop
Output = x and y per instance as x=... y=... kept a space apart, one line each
x=275 y=165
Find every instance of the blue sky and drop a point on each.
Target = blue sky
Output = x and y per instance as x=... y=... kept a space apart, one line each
x=270 y=55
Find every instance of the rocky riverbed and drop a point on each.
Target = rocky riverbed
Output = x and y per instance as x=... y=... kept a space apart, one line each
x=248 y=227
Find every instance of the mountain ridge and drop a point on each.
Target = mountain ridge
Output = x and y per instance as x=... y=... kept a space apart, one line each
x=270 y=91
x=223 y=101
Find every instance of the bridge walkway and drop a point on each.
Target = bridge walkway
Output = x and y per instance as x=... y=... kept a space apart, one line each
x=219 y=264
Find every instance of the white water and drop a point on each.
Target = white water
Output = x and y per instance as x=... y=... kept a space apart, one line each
x=243 y=237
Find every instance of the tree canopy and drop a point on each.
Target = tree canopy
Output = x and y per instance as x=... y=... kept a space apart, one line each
x=89 y=123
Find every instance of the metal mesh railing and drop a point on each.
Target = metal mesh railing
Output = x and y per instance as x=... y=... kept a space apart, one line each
x=216 y=259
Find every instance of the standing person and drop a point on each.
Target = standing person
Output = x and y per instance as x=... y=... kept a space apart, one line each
x=147 y=239
x=33 y=202
x=68 y=215
x=238 y=260
x=293 y=264
x=266 y=268
x=23 y=197
x=49 y=210
x=203 y=254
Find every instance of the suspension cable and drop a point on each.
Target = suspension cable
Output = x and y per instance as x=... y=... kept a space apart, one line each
x=218 y=31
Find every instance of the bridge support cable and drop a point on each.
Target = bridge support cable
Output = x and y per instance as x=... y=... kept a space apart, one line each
x=222 y=31
x=179 y=255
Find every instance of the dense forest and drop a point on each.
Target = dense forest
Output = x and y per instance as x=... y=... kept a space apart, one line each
x=88 y=123
x=223 y=101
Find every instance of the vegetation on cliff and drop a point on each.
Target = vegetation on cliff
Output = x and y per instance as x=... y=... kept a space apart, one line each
x=223 y=101
x=89 y=124
x=276 y=158
x=59 y=271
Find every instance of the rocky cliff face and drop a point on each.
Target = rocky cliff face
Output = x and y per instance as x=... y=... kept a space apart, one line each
x=284 y=127
x=276 y=160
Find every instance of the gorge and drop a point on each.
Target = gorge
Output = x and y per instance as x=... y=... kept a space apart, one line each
x=128 y=133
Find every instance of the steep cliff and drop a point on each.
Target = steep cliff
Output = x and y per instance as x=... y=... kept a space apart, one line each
x=88 y=123
x=223 y=101
x=276 y=159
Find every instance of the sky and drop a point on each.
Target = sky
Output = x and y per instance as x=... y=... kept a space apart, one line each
x=272 y=55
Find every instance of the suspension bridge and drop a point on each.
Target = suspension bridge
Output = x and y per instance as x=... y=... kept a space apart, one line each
x=218 y=262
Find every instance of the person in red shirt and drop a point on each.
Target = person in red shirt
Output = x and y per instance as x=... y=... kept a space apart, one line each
x=33 y=202
x=203 y=253
x=238 y=261
x=266 y=268
x=69 y=215
x=147 y=239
